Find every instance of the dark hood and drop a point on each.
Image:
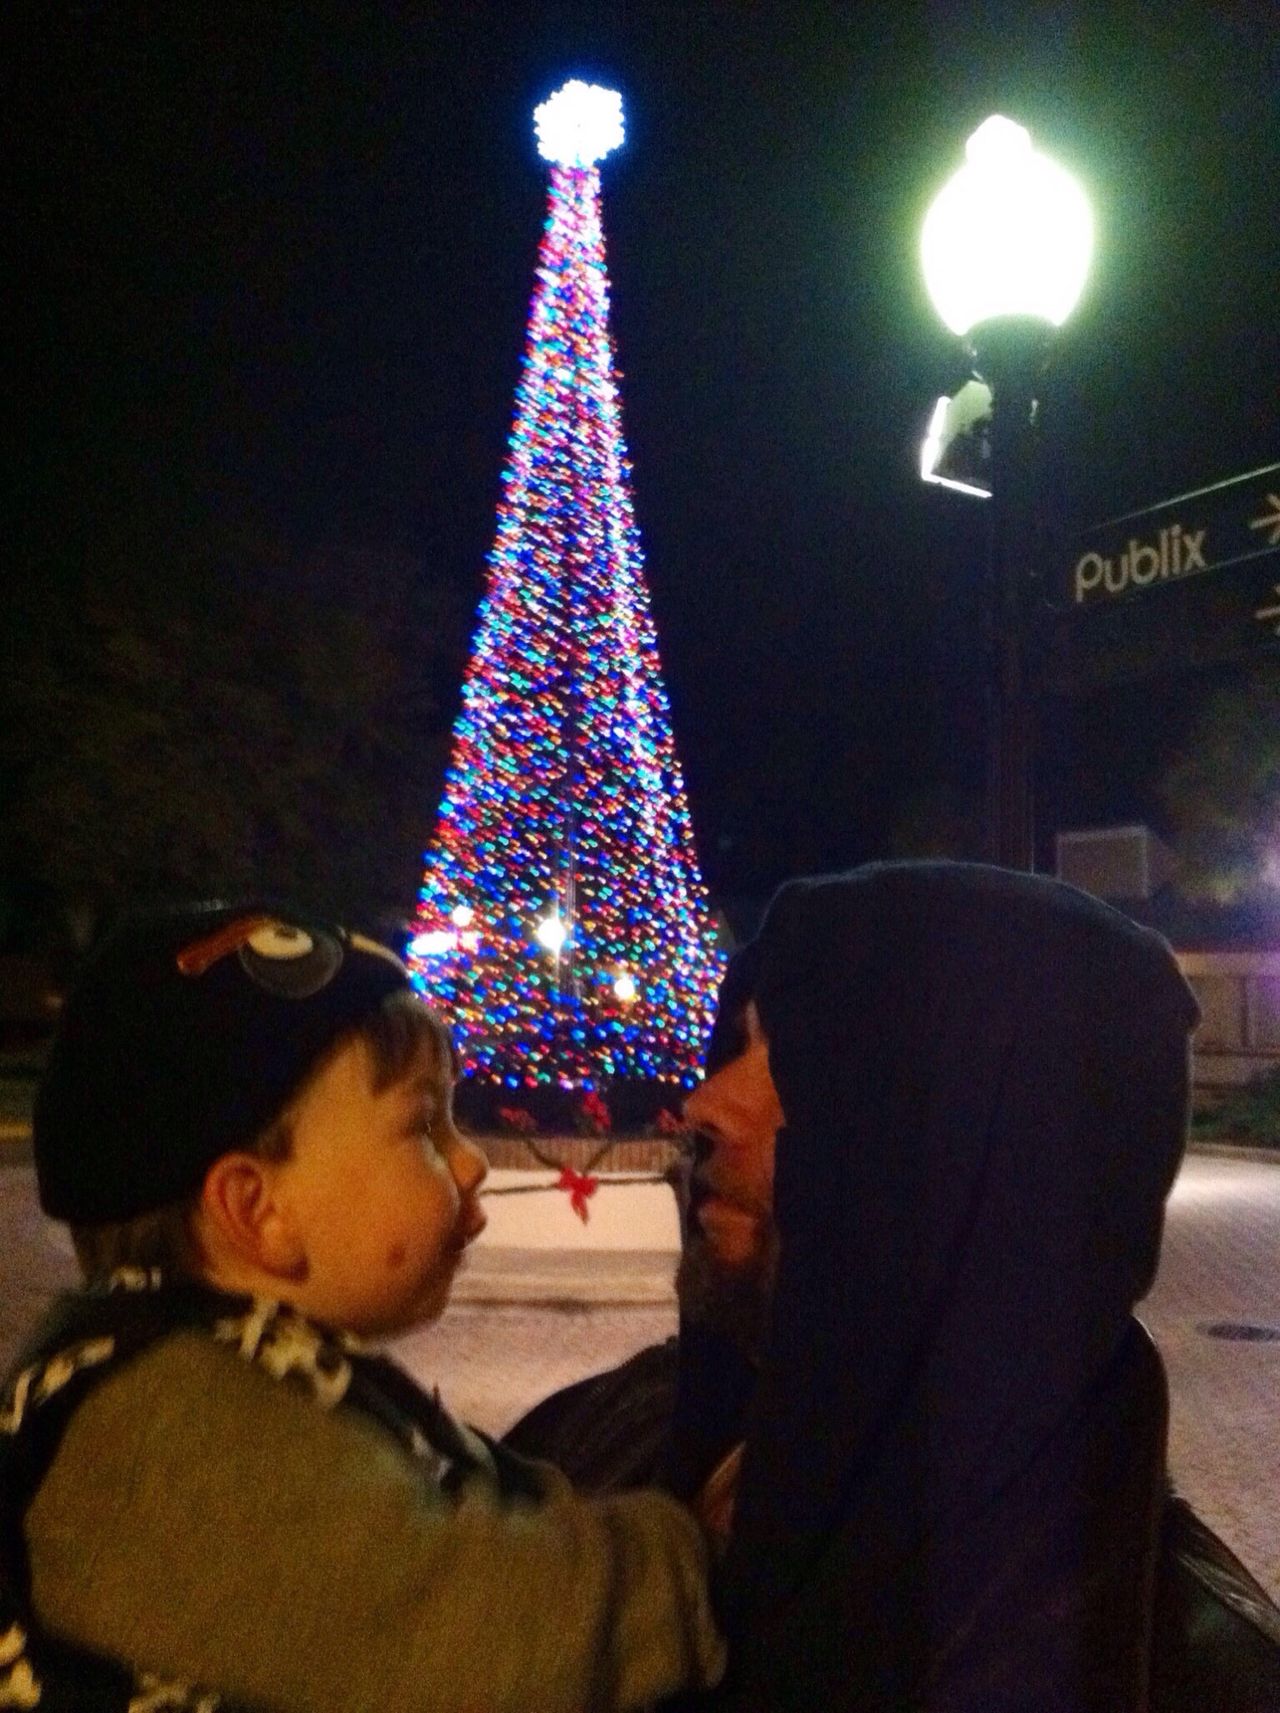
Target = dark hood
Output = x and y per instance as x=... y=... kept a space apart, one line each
x=985 y=1083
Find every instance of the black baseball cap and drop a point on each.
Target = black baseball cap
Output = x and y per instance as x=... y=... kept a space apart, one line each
x=190 y=1031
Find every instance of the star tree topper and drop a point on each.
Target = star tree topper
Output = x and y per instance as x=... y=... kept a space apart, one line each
x=579 y=124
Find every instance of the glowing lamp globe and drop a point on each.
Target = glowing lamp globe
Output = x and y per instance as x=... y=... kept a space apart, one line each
x=624 y=988
x=1011 y=234
x=462 y=915
x=579 y=124
x=551 y=933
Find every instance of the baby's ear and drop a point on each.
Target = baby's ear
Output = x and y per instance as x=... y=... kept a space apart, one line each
x=243 y=1213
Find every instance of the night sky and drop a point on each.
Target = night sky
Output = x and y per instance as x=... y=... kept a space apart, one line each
x=280 y=256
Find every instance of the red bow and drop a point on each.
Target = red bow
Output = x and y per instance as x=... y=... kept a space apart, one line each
x=580 y=1185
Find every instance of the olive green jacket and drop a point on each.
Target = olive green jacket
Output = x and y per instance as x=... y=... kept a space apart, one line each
x=207 y=1523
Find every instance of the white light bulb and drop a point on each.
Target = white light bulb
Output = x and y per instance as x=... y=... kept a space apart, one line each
x=551 y=933
x=579 y=124
x=462 y=915
x=625 y=988
x=1010 y=234
x=432 y=945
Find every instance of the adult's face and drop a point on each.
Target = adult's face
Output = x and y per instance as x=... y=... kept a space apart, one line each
x=728 y=1266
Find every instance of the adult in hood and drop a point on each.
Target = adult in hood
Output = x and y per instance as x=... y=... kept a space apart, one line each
x=944 y=1107
x=984 y=1084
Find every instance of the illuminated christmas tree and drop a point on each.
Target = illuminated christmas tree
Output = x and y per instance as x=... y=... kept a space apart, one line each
x=562 y=922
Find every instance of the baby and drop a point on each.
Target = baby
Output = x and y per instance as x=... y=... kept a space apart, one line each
x=214 y=1493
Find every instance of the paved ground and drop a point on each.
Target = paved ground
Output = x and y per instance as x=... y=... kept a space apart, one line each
x=526 y=1320
x=1220 y=1271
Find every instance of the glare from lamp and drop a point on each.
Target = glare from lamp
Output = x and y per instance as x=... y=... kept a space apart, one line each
x=462 y=915
x=625 y=988
x=1011 y=234
x=952 y=453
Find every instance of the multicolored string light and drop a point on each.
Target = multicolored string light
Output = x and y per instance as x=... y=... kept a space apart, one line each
x=562 y=922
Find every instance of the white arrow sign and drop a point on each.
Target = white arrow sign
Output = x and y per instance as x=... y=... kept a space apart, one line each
x=1265 y=614
x=1269 y=520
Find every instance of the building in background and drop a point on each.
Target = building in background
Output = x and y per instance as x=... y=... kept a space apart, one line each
x=1230 y=954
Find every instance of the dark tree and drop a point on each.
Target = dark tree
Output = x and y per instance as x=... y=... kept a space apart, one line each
x=216 y=712
x=1222 y=791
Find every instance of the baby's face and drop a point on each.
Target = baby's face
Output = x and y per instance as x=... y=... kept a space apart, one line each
x=381 y=1191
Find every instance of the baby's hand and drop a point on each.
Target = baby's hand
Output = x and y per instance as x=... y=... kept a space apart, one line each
x=713 y=1506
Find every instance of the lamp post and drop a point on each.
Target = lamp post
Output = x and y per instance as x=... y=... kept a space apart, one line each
x=1005 y=248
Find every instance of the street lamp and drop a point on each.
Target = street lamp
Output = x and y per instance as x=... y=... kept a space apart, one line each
x=1005 y=248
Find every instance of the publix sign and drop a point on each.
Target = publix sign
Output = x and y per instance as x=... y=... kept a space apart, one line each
x=1174 y=552
x=1184 y=537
